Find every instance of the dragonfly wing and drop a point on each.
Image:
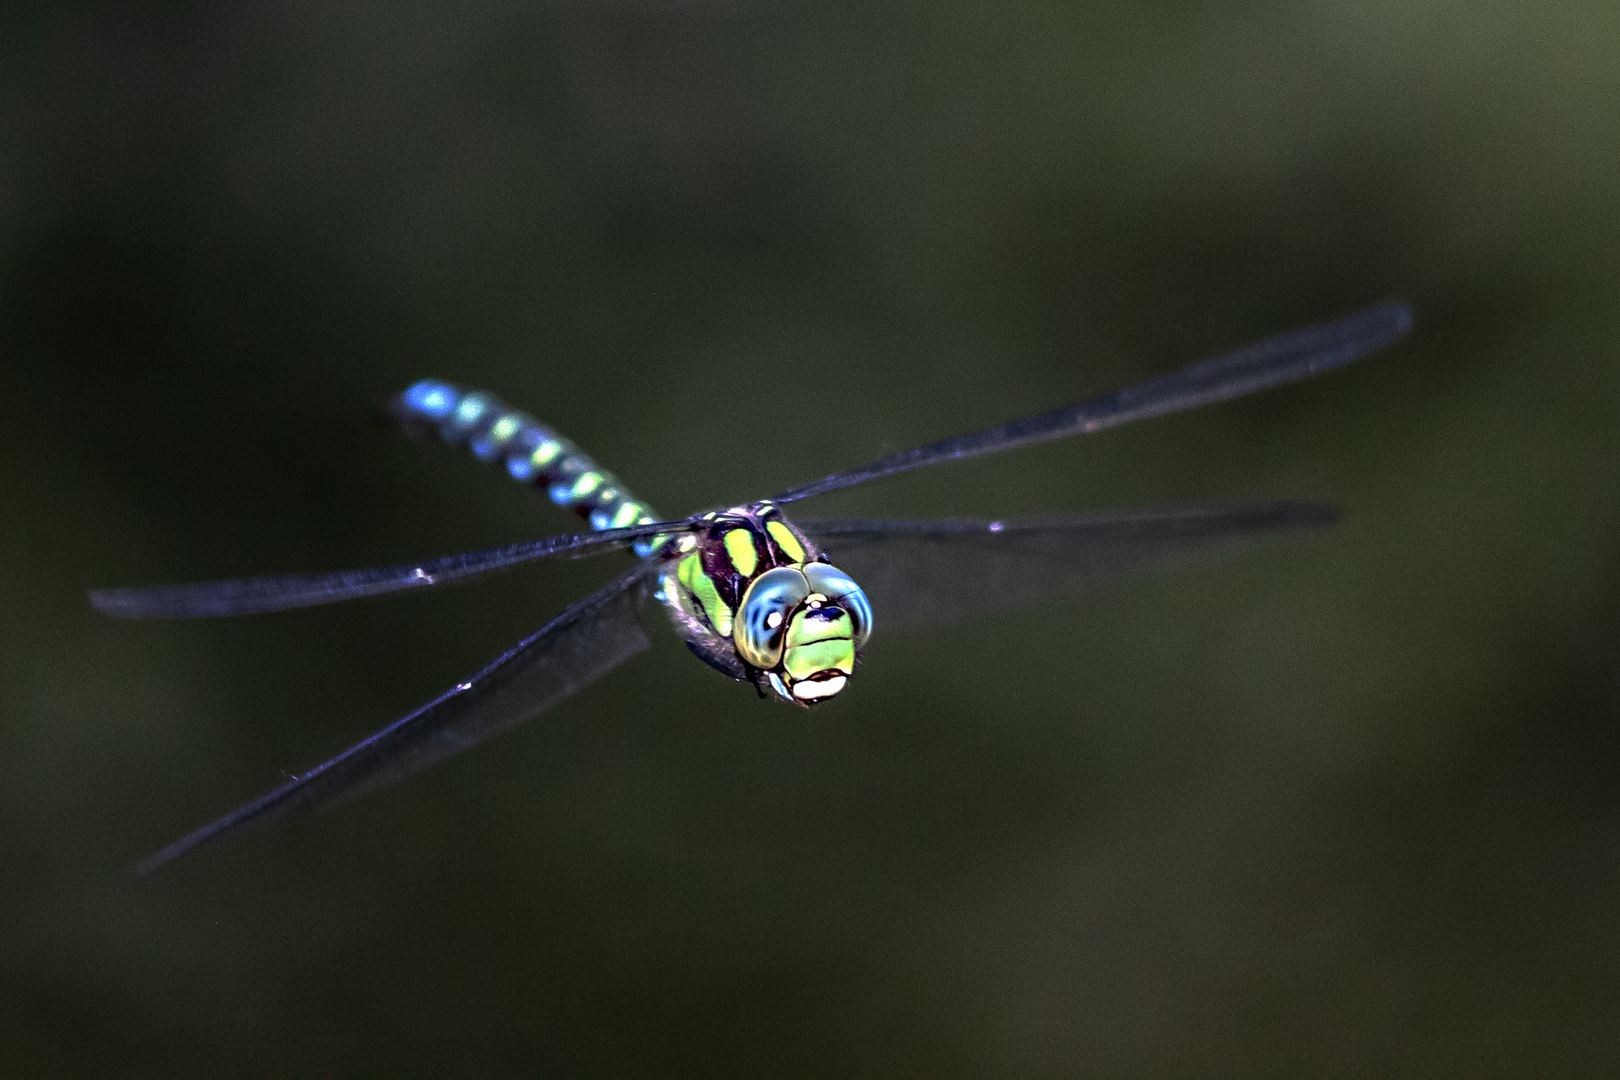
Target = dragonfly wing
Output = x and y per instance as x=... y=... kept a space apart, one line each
x=934 y=573
x=1272 y=362
x=572 y=651
x=255 y=595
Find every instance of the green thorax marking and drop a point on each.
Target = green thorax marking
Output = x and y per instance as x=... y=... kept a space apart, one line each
x=738 y=546
x=697 y=582
x=741 y=551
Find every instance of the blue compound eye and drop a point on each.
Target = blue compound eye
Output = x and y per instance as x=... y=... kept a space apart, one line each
x=762 y=621
x=839 y=588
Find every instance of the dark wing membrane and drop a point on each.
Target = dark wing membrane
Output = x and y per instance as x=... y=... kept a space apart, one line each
x=572 y=651
x=934 y=573
x=249 y=596
x=1272 y=362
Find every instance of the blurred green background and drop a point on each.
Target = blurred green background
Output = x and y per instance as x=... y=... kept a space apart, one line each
x=1344 y=803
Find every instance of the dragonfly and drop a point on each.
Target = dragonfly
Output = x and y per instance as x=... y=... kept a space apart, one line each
x=754 y=594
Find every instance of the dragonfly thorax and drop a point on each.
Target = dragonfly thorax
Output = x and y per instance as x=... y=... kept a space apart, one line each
x=756 y=600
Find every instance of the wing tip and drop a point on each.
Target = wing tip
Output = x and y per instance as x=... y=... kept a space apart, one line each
x=1251 y=517
x=163 y=857
x=258 y=810
x=1397 y=318
x=1308 y=515
x=160 y=602
x=159 y=859
x=115 y=602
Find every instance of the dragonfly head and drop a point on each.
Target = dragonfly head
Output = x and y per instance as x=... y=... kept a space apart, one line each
x=802 y=628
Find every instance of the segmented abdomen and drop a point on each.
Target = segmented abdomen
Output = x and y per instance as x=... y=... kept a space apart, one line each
x=530 y=451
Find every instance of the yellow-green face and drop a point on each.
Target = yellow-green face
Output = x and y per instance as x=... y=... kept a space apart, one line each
x=819 y=652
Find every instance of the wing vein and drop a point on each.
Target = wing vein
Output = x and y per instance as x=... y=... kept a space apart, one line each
x=579 y=646
x=1265 y=364
x=257 y=595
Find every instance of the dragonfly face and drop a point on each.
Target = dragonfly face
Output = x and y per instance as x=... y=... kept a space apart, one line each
x=754 y=598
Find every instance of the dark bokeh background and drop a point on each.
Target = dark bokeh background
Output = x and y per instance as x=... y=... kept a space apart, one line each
x=1341 y=804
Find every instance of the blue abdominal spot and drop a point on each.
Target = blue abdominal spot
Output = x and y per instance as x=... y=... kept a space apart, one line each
x=431 y=398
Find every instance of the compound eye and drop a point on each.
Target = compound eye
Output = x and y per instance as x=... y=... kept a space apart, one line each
x=762 y=620
x=839 y=588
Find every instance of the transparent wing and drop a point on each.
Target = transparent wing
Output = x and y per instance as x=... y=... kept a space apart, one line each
x=1272 y=362
x=572 y=651
x=249 y=596
x=923 y=574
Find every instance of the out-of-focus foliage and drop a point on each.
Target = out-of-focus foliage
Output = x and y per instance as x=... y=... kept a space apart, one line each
x=1346 y=803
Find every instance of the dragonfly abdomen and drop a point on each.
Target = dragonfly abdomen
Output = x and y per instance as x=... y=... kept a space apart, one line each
x=529 y=451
